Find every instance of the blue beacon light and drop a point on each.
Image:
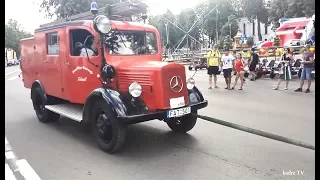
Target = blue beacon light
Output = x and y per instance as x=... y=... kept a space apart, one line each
x=94 y=8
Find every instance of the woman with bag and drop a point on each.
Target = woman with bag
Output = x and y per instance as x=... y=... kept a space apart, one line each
x=285 y=72
x=240 y=63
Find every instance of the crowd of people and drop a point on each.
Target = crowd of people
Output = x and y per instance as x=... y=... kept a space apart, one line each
x=230 y=63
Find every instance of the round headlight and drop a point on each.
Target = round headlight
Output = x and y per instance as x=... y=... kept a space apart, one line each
x=102 y=24
x=190 y=83
x=135 y=89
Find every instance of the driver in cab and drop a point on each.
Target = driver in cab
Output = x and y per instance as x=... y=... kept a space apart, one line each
x=89 y=48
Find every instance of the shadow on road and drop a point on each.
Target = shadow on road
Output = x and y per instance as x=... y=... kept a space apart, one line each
x=142 y=140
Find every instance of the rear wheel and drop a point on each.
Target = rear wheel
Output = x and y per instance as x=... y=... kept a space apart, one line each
x=39 y=102
x=182 y=124
x=108 y=131
x=190 y=68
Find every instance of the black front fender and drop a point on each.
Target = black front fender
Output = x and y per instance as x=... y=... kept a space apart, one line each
x=195 y=96
x=111 y=97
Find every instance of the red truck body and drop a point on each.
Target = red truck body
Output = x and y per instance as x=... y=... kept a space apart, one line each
x=107 y=74
x=62 y=80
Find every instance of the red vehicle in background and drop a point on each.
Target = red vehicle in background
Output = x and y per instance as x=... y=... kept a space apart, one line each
x=107 y=74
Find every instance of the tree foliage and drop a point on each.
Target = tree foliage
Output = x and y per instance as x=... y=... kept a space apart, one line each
x=13 y=34
x=211 y=23
x=227 y=42
x=67 y=8
x=290 y=9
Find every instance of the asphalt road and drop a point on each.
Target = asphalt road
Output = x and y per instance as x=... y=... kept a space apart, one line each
x=62 y=151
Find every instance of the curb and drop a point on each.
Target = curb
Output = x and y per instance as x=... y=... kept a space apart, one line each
x=17 y=169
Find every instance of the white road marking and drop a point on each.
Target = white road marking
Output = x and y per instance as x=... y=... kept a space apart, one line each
x=9 y=174
x=12 y=78
x=10 y=155
x=12 y=72
x=26 y=170
x=6 y=141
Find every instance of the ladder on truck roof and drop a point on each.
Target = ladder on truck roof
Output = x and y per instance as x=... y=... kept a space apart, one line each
x=122 y=10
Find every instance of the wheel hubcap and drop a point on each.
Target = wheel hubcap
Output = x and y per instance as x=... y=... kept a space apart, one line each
x=104 y=128
x=39 y=106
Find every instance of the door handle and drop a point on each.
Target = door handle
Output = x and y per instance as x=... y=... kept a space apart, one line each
x=68 y=63
x=45 y=61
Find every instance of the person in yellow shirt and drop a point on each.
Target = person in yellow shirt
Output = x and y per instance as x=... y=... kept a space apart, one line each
x=213 y=61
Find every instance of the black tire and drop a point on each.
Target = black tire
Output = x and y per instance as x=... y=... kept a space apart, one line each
x=190 y=68
x=196 y=68
x=182 y=124
x=109 y=133
x=39 y=102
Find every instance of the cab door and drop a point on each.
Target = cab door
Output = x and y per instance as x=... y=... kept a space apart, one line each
x=51 y=63
x=79 y=75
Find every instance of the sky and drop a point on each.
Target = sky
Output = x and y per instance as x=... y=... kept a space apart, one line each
x=26 y=12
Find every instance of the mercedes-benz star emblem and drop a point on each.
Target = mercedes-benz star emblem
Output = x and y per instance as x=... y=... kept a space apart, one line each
x=176 y=84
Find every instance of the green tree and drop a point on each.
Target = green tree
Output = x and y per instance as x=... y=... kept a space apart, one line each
x=250 y=41
x=253 y=9
x=230 y=28
x=67 y=8
x=225 y=10
x=289 y=9
x=175 y=34
x=227 y=42
x=13 y=34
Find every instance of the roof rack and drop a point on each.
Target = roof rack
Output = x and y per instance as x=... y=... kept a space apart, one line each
x=123 y=10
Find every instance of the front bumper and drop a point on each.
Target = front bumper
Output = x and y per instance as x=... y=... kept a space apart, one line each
x=134 y=119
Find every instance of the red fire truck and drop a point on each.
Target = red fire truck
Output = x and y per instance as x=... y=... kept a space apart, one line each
x=107 y=73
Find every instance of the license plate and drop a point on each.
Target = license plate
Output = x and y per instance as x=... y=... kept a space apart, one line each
x=177 y=102
x=178 y=112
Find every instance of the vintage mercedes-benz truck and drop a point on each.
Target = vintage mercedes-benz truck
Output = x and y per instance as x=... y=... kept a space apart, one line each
x=105 y=71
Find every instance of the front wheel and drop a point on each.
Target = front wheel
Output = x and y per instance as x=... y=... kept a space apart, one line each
x=108 y=131
x=182 y=124
x=190 y=68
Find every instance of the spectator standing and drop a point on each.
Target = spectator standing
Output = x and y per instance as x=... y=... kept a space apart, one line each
x=227 y=63
x=213 y=61
x=254 y=60
x=307 y=62
x=240 y=63
x=285 y=72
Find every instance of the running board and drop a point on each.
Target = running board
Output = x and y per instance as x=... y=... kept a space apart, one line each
x=71 y=111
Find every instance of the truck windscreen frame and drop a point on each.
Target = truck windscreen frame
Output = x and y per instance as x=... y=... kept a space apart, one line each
x=134 y=43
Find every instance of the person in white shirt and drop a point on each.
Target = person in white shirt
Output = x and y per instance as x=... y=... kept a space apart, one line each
x=227 y=63
x=91 y=50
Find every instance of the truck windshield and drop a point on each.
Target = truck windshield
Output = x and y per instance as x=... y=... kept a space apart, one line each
x=135 y=43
